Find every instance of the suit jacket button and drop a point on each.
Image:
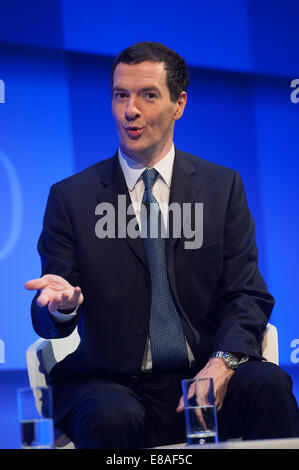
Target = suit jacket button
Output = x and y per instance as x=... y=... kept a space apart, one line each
x=146 y=282
x=141 y=329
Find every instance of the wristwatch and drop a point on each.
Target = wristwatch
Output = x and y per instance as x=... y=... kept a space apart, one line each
x=230 y=359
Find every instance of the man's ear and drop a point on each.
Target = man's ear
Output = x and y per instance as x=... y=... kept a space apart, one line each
x=180 y=106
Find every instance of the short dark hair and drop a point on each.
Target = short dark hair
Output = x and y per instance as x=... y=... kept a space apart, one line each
x=177 y=77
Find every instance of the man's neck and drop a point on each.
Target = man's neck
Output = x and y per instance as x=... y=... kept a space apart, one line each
x=149 y=159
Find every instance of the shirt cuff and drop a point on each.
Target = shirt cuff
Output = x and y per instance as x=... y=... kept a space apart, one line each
x=62 y=317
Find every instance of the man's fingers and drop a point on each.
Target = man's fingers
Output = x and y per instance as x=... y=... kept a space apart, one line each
x=52 y=280
x=55 y=304
x=36 y=284
x=78 y=296
x=53 y=299
x=44 y=298
x=191 y=392
x=199 y=414
x=180 y=405
x=71 y=299
x=218 y=403
x=65 y=297
x=66 y=300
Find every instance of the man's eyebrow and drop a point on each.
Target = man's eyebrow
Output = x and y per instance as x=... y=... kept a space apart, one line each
x=142 y=90
x=118 y=88
x=150 y=88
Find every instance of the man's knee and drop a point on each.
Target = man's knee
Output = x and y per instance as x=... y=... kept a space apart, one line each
x=123 y=417
x=263 y=378
x=100 y=423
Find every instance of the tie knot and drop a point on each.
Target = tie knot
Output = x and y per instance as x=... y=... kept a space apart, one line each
x=149 y=177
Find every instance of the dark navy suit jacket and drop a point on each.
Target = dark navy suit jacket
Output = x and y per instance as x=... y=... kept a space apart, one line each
x=222 y=298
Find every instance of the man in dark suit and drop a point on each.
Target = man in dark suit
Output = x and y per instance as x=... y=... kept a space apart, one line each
x=152 y=310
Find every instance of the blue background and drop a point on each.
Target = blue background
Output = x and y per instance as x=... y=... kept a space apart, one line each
x=55 y=60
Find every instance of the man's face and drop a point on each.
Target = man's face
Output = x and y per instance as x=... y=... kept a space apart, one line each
x=143 y=111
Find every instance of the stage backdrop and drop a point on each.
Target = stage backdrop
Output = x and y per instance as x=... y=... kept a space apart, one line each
x=55 y=60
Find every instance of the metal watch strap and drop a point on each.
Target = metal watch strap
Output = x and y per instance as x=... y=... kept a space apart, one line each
x=229 y=359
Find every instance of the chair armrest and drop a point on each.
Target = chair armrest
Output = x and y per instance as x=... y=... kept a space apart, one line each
x=35 y=365
x=43 y=354
x=270 y=344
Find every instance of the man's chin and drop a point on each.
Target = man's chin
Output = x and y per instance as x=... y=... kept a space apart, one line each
x=136 y=151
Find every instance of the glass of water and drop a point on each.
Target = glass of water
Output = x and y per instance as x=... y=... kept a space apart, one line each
x=35 y=416
x=200 y=411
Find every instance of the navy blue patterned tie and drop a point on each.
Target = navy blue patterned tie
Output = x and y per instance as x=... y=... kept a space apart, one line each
x=168 y=345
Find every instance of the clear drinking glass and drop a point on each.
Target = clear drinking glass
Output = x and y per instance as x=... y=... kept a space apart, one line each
x=36 y=418
x=200 y=411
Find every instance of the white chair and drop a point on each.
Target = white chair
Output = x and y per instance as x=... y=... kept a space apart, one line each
x=43 y=354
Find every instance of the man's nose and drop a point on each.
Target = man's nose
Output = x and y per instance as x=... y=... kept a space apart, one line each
x=132 y=112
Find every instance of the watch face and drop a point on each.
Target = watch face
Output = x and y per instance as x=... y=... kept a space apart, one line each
x=235 y=362
x=231 y=360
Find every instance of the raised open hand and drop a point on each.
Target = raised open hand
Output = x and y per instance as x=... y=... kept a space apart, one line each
x=56 y=292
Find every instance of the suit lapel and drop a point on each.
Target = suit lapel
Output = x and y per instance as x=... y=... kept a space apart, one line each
x=113 y=185
x=185 y=186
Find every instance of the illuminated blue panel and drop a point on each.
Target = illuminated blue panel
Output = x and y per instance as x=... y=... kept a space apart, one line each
x=35 y=152
x=277 y=123
x=211 y=34
x=275 y=36
x=32 y=22
x=94 y=136
x=255 y=36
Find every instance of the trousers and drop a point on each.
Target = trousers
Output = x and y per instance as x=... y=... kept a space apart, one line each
x=140 y=413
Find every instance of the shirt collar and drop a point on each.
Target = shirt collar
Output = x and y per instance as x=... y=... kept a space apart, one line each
x=132 y=170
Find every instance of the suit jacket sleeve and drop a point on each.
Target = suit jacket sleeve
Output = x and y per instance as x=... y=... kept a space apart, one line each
x=57 y=249
x=243 y=302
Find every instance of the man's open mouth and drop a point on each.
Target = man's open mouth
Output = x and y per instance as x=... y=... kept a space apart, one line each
x=134 y=131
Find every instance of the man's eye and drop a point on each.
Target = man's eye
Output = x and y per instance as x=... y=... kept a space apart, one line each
x=120 y=95
x=151 y=95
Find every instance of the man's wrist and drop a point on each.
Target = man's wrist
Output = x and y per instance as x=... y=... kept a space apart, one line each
x=231 y=360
